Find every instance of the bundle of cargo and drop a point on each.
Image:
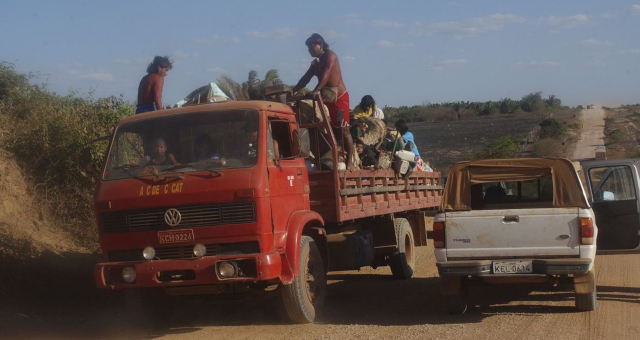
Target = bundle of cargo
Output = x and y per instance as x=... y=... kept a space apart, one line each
x=209 y=93
x=376 y=129
x=309 y=112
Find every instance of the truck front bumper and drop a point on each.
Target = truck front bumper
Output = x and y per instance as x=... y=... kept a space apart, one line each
x=577 y=266
x=188 y=272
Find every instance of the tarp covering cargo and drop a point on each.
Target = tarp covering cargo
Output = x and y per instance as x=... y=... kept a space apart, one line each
x=205 y=94
x=567 y=189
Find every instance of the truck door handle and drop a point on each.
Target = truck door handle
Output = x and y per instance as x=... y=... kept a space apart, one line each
x=511 y=219
x=299 y=172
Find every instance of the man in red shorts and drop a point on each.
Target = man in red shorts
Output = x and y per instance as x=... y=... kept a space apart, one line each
x=331 y=87
x=150 y=88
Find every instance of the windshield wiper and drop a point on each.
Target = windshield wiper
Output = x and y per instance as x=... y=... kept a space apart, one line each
x=211 y=173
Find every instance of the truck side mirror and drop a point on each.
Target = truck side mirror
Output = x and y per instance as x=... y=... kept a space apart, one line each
x=303 y=143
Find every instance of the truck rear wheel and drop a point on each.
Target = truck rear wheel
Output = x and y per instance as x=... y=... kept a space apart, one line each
x=402 y=261
x=304 y=297
x=457 y=304
x=586 y=302
x=585 y=287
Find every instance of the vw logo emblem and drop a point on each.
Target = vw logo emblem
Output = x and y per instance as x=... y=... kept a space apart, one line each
x=172 y=217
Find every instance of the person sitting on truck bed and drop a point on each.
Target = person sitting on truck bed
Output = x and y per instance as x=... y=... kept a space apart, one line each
x=358 y=131
x=150 y=88
x=367 y=108
x=326 y=68
x=159 y=154
x=367 y=154
x=407 y=135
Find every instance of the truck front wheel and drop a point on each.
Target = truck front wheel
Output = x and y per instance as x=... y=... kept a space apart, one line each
x=402 y=261
x=304 y=297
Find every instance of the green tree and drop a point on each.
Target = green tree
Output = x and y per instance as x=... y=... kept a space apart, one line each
x=553 y=101
x=532 y=102
x=503 y=147
x=551 y=128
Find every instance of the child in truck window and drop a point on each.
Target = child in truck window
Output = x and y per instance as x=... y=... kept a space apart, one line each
x=159 y=154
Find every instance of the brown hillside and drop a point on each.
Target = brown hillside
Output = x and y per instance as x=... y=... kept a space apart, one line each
x=25 y=228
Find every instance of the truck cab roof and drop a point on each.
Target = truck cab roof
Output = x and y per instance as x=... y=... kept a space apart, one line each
x=258 y=105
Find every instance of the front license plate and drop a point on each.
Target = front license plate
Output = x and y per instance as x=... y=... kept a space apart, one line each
x=513 y=267
x=175 y=236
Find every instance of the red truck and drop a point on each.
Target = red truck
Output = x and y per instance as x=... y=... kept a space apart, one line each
x=223 y=197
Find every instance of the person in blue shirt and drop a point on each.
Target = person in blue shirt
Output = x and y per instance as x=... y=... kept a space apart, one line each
x=403 y=129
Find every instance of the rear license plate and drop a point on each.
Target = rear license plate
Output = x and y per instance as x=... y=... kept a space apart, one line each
x=175 y=236
x=513 y=267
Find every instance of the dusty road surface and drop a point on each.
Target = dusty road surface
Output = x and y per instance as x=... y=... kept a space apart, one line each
x=62 y=303
x=592 y=133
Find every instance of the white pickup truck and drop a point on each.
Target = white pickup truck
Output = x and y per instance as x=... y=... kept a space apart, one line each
x=515 y=220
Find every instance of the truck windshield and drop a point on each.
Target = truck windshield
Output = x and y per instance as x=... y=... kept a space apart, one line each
x=183 y=143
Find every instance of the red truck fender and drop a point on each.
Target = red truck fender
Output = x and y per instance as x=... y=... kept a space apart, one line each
x=297 y=222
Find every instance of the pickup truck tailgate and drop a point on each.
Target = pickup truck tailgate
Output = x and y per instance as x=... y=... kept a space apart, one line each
x=512 y=233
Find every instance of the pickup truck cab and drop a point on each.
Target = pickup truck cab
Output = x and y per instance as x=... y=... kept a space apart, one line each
x=515 y=220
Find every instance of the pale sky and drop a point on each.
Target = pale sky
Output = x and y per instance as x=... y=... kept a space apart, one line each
x=401 y=52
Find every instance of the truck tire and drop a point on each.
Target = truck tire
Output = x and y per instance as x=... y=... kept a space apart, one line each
x=402 y=261
x=304 y=297
x=457 y=304
x=456 y=294
x=585 y=300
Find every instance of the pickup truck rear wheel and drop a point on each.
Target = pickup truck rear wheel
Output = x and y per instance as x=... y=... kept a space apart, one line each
x=586 y=302
x=304 y=297
x=457 y=304
x=585 y=288
x=402 y=261
x=586 y=296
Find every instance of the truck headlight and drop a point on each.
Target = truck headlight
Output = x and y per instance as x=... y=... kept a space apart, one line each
x=226 y=269
x=199 y=250
x=149 y=253
x=129 y=274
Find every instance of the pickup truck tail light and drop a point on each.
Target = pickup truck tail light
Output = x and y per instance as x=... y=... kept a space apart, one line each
x=586 y=230
x=438 y=234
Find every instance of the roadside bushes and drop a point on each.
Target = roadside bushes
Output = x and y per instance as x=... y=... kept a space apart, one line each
x=533 y=103
x=503 y=147
x=552 y=128
x=58 y=142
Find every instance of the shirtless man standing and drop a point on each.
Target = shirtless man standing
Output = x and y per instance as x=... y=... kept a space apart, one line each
x=150 y=88
x=330 y=85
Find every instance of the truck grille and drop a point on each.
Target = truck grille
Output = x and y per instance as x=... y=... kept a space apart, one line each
x=186 y=252
x=201 y=215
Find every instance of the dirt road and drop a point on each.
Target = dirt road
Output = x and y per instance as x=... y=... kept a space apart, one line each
x=592 y=133
x=364 y=304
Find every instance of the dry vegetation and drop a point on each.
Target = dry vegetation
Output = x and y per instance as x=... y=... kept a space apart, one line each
x=622 y=132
